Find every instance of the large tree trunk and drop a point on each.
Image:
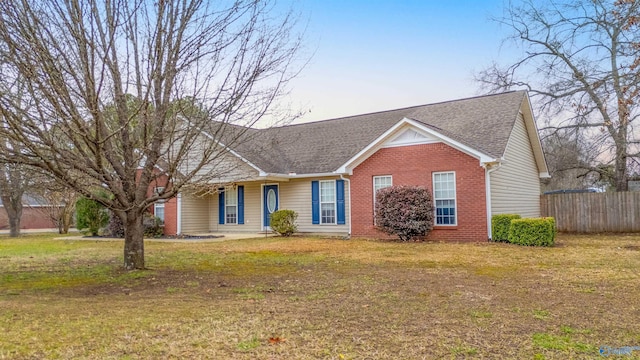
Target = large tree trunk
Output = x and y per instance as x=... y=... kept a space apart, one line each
x=133 y=241
x=14 y=225
x=621 y=175
x=14 y=214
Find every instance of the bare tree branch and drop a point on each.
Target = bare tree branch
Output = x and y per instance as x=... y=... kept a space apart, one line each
x=580 y=65
x=118 y=93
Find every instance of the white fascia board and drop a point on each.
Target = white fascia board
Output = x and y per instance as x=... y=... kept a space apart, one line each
x=532 y=132
x=377 y=143
x=300 y=176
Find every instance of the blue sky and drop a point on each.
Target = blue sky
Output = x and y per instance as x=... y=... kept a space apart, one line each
x=379 y=55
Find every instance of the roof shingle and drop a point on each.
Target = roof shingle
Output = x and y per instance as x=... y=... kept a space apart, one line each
x=483 y=123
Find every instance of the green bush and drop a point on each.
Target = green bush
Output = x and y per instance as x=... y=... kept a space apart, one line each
x=532 y=232
x=91 y=216
x=500 y=226
x=552 y=221
x=284 y=222
x=152 y=226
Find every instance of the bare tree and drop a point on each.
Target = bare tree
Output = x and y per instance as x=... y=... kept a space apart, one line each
x=106 y=80
x=14 y=180
x=55 y=201
x=580 y=63
x=12 y=187
x=569 y=162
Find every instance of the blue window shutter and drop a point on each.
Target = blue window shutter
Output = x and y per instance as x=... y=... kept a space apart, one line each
x=221 y=208
x=315 y=202
x=241 y=204
x=340 y=201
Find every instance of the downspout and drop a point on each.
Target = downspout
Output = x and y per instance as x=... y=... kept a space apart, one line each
x=488 y=169
x=179 y=214
x=348 y=202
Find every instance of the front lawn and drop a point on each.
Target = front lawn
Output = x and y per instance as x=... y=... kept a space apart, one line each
x=309 y=298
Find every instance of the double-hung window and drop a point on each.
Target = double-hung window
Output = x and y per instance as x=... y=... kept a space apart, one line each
x=328 y=202
x=379 y=182
x=158 y=206
x=231 y=205
x=444 y=196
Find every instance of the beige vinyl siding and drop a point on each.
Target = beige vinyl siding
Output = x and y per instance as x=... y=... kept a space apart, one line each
x=195 y=214
x=223 y=166
x=252 y=211
x=296 y=195
x=515 y=186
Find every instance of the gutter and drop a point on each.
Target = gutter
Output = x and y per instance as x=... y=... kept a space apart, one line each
x=488 y=169
x=179 y=214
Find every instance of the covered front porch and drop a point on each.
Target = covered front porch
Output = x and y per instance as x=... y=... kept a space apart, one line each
x=244 y=207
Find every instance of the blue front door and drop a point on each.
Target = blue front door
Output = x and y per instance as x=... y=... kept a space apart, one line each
x=270 y=202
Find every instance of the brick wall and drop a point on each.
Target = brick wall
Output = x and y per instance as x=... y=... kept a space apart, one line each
x=171 y=217
x=170 y=206
x=414 y=165
x=32 y=218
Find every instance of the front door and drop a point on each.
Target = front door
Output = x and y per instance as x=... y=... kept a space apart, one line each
x=270 y=201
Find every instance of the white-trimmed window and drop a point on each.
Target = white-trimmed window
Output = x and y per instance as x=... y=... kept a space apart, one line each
x=328 y=202
x=444 y=197
x=231 y=205
x=158 y=206
x=380 y=182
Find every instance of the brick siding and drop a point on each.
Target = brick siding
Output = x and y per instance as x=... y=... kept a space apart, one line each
x=32 y=218
x=414 y=165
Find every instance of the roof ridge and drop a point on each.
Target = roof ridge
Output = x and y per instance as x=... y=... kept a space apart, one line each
x=397 y=109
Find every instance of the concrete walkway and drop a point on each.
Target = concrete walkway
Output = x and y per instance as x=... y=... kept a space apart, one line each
x=34 y=231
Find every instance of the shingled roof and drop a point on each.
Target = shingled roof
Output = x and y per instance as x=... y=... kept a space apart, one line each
x=482 y=123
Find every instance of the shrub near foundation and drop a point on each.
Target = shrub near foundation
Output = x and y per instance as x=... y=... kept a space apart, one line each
x=532 y=232
x=500 y=225
x=284 y=222
x=405 y=211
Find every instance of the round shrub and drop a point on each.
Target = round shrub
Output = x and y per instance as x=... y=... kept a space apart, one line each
x=405 y=211
x=284 y=222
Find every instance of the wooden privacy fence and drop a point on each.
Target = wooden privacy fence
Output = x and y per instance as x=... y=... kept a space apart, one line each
x=593 y=212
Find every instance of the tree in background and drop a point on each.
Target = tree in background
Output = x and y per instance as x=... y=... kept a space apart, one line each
x=580 y=63
x=56 y=201
x=569 y=163
x=12 y=187
x=105 y=84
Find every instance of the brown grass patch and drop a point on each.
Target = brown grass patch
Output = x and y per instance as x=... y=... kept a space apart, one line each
x=322 y=298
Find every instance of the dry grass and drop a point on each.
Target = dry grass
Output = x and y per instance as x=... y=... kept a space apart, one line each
x=309 y=298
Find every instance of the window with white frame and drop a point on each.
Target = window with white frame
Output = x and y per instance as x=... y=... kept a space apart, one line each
x=158 y=206
x=328 y=202
x=158 y=210
x=380 y=182
x=231 y=206
x=444 y=196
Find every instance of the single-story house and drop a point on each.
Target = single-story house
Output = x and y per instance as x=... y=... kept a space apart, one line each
x=34 y=215
x=479 y=156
